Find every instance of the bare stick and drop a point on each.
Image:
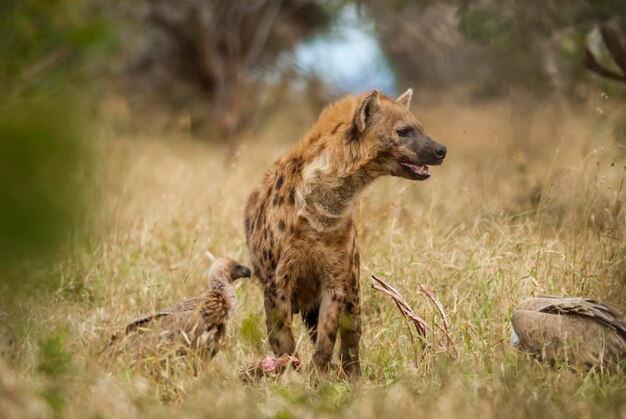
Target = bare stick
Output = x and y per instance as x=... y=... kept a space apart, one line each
x=407 y=312
x=430 y=294
x=403 y=306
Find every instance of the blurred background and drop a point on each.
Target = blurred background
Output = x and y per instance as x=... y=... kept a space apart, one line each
x=212 y=67
x=132 y=132
x=74 y=72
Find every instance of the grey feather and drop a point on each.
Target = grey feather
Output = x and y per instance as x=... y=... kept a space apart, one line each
x=580 y=330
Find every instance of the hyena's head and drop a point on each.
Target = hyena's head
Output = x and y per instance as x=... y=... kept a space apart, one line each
x=392 y=138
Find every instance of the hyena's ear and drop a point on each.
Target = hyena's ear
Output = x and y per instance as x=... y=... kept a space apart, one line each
x=405 y=98
x=365 y=111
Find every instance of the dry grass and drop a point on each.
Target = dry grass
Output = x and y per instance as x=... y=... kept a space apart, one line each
x=523 y=205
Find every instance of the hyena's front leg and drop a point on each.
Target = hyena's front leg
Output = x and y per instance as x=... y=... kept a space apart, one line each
x=327 y=325
x=350 y=330
x=278 y=321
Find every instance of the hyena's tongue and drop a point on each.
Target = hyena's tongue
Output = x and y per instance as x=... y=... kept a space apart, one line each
x=417 y=169
x=422 y=169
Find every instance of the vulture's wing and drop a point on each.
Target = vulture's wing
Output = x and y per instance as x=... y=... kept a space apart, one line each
x=189 y=304
x=589 y=308
x=537 y=303
x=142 y=321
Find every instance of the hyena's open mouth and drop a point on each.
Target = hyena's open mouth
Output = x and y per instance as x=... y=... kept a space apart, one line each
x=427 y=152
x=418 y=171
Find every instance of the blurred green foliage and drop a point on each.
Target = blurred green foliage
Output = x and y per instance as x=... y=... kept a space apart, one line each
x=47 y=51
x=47 y=44
x=43 y=166
x=54 y=360
x=55 y=364
x=251 y=330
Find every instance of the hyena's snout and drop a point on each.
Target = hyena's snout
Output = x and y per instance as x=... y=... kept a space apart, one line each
x=430 y=151
x=425 y=152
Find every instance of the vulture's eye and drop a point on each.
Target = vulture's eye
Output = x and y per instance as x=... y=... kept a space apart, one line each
x=405 y=131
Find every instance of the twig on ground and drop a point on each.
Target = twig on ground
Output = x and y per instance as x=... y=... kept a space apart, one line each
x=407 y=312
x=446 y=327
x=403 y=306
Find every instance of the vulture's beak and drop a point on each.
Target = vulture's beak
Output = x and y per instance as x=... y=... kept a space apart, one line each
x=243 y=272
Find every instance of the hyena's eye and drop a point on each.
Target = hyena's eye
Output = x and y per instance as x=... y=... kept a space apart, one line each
x=406 y=131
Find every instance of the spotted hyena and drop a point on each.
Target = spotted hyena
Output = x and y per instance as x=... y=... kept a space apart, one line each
x=300 y=221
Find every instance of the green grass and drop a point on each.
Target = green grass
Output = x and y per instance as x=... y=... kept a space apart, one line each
x=505 y=217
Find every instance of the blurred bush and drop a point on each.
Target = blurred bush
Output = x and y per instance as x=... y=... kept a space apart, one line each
x=48 y=50
x=538 y=46
x=213 y=53
x=44 y=165
x=49 y=44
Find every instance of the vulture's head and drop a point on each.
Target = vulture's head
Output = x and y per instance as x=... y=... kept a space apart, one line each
x=226 y=271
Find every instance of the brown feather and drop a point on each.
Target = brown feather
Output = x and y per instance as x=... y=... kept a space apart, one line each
x=580 y=330
x=199 y=322
x=589 y=308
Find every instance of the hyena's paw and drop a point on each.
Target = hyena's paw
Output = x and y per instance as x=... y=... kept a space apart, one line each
x=325 y=370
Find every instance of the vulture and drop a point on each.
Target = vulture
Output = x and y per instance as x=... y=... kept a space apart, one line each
x=197 y=323
x=580 y=331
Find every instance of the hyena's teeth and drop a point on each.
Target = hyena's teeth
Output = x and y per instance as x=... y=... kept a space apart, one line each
x=421 y=169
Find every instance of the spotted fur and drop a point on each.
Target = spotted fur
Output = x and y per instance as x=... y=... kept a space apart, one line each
x=300 y=222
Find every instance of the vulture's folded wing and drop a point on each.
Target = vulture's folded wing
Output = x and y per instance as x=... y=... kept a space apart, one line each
x=589 y=308
x=189 y=304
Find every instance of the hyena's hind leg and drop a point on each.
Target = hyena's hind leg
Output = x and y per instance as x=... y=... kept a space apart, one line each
x=310 y=319
x=278 y=322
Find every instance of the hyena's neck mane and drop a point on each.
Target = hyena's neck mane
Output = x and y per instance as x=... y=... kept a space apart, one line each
x=336 y=168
